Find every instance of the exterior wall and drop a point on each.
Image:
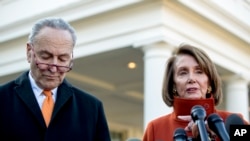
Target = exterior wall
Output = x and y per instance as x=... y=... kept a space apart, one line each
x=107 y=25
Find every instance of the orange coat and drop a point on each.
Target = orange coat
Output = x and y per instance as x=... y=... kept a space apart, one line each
x=163 y=128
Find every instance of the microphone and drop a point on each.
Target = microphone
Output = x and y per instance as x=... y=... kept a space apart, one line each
x=180 y=135
x=198 y=115
x=216 y=124
x=233 y=119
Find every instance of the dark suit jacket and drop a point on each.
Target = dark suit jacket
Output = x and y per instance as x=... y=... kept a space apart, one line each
x=77 y=116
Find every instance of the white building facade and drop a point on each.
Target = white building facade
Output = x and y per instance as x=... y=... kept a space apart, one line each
x=113 y=32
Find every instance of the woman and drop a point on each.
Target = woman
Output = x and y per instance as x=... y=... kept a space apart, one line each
x=190 y=79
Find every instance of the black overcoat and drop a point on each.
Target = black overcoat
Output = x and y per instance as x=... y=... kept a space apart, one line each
x=77 y=115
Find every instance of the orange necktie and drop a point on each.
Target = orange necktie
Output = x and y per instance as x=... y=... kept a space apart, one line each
x=47 y=107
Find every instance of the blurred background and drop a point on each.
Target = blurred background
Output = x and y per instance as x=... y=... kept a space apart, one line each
x=123 y=46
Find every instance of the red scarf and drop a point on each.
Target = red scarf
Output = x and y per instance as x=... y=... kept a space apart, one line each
x=183 y=106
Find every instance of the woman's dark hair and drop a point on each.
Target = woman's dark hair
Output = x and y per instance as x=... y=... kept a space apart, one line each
x=204 y=62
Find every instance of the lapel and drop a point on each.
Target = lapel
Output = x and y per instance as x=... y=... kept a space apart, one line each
x=64 y=93
x=25 y=93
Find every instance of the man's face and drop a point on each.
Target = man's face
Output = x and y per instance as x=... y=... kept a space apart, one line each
x=54 y=47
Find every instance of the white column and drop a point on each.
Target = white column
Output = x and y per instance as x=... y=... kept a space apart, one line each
x=155 y=58
x=236 y=96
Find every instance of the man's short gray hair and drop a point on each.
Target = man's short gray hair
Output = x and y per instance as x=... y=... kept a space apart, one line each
x=56 y=23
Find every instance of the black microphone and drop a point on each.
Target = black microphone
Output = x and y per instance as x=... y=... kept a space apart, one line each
x=198 y=115
x=233 y=119
x=180 y=135
x=216 y=124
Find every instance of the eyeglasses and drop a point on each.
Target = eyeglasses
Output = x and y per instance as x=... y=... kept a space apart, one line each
x=46 y=66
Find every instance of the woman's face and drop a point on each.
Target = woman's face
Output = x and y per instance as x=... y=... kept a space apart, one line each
x=190 y=80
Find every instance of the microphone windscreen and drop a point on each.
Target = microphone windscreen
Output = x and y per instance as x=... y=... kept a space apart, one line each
x=233 y=119
x=212 y=119
x=216 y=124
x=180 y=135
x=198 y=113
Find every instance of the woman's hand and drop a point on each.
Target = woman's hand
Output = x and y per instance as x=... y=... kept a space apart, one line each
x=193 y=127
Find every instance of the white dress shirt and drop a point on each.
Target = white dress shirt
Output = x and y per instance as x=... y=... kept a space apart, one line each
x=38 y=91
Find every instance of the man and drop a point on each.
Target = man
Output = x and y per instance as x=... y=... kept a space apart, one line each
x=41 y=105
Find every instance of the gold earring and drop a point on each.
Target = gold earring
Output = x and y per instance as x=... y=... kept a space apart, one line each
x=174 y=91
x=209 y=89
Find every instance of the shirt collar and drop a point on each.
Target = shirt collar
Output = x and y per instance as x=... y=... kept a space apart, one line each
x=36 y=89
